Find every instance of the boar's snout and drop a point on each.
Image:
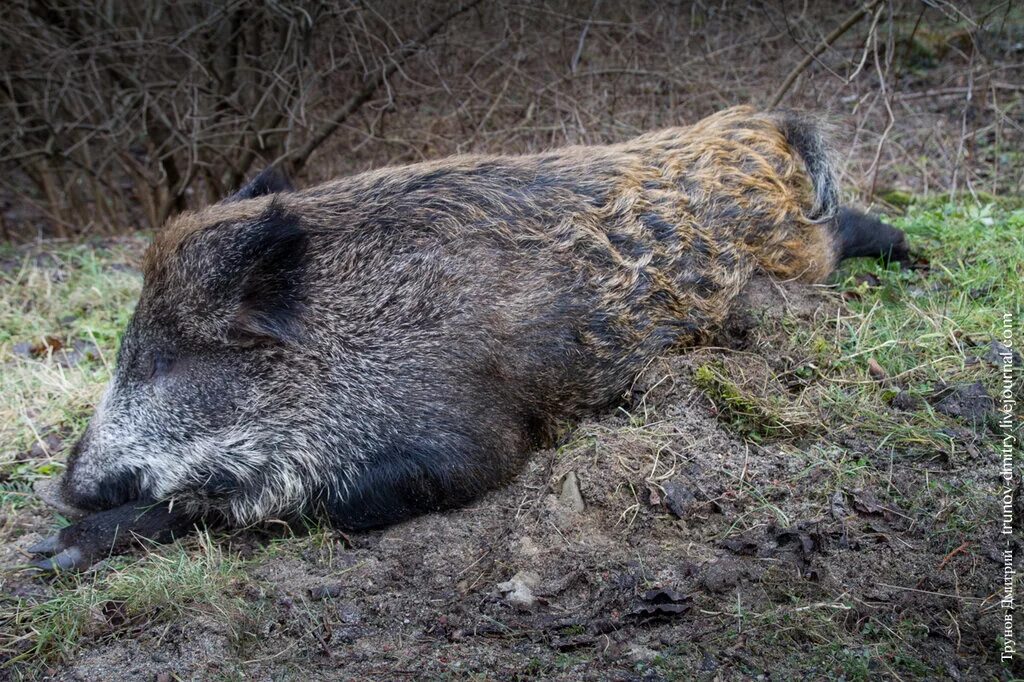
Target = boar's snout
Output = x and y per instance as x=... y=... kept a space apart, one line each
x=91 y=491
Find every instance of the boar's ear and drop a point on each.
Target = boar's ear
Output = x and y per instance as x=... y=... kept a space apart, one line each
x=270 y=280
x=269 y=181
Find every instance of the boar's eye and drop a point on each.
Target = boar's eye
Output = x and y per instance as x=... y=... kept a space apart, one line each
x=160 y=365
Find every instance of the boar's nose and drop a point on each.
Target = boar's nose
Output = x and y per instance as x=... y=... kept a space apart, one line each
x=99 y=493
x=86 y=488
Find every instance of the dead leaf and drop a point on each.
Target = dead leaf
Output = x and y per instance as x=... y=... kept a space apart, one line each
x=876 y=371
x=851 y=295
x=741 y=545
x=46 y=346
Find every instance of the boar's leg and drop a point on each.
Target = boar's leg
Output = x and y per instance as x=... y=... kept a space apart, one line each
x=110 y=532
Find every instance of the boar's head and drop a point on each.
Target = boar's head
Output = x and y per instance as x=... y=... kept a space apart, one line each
x=195 y=406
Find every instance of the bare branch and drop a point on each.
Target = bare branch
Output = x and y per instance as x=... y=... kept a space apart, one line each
x=832 y=37
x=298 y=159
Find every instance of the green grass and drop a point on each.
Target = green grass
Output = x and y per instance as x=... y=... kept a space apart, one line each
x=928 y=470
x=162 y=585
x=922 y=326
x=927 y=326
x=61 y=296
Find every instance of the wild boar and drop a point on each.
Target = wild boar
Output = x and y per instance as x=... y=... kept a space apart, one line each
x=397 y=342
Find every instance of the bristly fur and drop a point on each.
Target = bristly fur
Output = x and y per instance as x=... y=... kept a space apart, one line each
x=809 y=138
x=396 y=342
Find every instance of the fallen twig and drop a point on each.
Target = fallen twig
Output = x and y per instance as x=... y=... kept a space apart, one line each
x=958 y=550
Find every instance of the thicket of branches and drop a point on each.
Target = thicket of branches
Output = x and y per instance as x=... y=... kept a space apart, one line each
x=120 y=114
x=114 y=106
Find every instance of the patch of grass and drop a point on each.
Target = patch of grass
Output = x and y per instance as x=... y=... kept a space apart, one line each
x=927 y=326
x=897 y=198
x=160 y=586
x=923 y=327
x=921 y=477
x=752 y=415
x=62 y=309
x=817 y=640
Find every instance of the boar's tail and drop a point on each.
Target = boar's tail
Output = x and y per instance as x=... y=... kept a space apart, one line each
x=808 y=136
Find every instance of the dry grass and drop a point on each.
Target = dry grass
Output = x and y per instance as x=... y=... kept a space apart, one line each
x=62 y=310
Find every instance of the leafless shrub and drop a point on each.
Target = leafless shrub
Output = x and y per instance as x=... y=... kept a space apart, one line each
x=122 y=113
x=115 y=107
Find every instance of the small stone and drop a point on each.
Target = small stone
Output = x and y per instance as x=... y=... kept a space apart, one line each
x=642 y=653
x=348 y=613
x=49 y=446
x=527 y=547
x=518 y=590
x=570 y=495
x=678 y=498
x=838 y=506
x=907 y=401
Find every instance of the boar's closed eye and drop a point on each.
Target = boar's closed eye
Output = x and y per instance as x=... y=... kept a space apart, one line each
x=160 y=365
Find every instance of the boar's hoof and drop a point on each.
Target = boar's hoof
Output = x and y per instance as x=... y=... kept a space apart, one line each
x=71 y=559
